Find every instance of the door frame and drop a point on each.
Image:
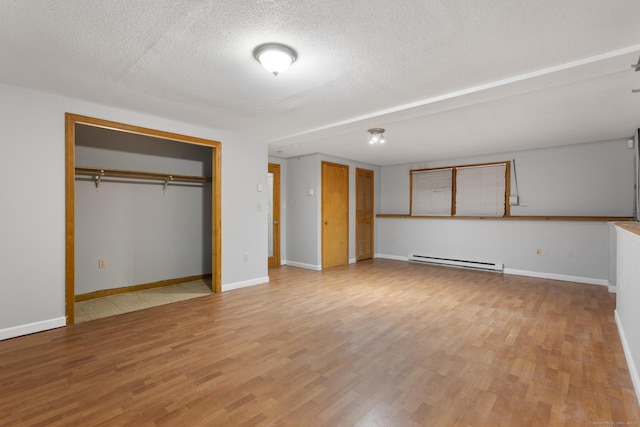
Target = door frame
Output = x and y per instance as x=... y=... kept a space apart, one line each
x=71 y=120
x=275 y=169
x=322 y=216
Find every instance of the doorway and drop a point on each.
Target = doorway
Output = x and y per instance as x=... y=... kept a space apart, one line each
x=364 y=214
x=70 y=171
x=274 y=214
x=335 y=214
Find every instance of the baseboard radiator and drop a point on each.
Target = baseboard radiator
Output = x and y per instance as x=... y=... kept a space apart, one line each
x=481 y=265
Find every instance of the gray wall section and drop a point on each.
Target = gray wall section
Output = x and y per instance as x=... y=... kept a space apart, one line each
x=593 y=179
x=143 y=233
x=303 y=214
x=32 y=245
x=575 y=249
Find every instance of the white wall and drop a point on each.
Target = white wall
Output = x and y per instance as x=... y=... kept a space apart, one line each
x=32 y=227
x=628 y=301
x=594 y=179
x=283 y=206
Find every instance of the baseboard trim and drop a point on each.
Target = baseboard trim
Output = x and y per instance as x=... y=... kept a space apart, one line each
x=612 y=289
x=303 y=265
x=32 y=328
x=394 y=257
x=633 y=369
x=352 y=260
x=245 y=284
x=562 y=277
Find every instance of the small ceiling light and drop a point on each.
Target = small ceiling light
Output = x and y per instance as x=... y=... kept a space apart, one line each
x=275 y=57
x=377 y=135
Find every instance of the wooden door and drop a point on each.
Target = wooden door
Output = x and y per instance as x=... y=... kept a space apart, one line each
x=274 y=214
x=364 y=214
x=335 y=214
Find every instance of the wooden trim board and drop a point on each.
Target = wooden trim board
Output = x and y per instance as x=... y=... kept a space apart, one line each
x=515 y=218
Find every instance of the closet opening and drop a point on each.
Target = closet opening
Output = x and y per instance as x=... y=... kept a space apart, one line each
x=142 y=209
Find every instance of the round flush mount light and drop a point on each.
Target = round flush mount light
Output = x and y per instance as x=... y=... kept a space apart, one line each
x=275 y=57
x=376 y=136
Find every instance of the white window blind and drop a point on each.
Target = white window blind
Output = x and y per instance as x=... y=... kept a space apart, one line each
x=431 y=192
x=480 y=190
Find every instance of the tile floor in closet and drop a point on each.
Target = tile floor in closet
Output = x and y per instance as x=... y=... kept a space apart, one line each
x=131 y=301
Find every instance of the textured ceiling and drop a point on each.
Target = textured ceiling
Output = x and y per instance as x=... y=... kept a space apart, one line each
x=445 y=78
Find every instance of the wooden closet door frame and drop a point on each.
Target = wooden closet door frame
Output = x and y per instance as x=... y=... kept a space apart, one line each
x=71 y=120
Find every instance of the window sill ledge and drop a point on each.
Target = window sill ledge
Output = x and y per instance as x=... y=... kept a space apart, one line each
x=517 y=218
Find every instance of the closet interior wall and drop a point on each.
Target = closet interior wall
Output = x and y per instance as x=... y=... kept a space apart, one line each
x=142 y=231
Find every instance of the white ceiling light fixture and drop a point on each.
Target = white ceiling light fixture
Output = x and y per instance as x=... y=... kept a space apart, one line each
x=376 y=136
x=275 y=57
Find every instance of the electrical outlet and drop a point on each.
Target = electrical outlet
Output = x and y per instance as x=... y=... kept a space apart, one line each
x=102 y=263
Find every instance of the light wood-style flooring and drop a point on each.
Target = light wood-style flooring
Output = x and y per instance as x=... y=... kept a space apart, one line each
x=378 y=343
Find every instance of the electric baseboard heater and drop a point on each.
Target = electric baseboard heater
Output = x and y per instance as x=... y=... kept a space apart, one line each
x=480 y=265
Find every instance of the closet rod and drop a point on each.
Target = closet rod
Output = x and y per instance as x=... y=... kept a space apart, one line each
x=119 y=173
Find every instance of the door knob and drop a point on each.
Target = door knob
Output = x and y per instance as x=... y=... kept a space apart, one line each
x=326 y=222
x=275 y=222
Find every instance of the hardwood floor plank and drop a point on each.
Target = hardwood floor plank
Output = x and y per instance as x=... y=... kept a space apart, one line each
x=378 y=343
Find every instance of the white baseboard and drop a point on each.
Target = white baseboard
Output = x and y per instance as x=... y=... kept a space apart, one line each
x=245 y=284
x=283 y=262
x=612 y=289
x=352 y=260
x=32 y=328
x=553 y=276
x=633 y=369
x=394 y=257
x=303 y=265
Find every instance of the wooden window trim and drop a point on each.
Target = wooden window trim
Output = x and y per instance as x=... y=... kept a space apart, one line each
x=507 y=192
